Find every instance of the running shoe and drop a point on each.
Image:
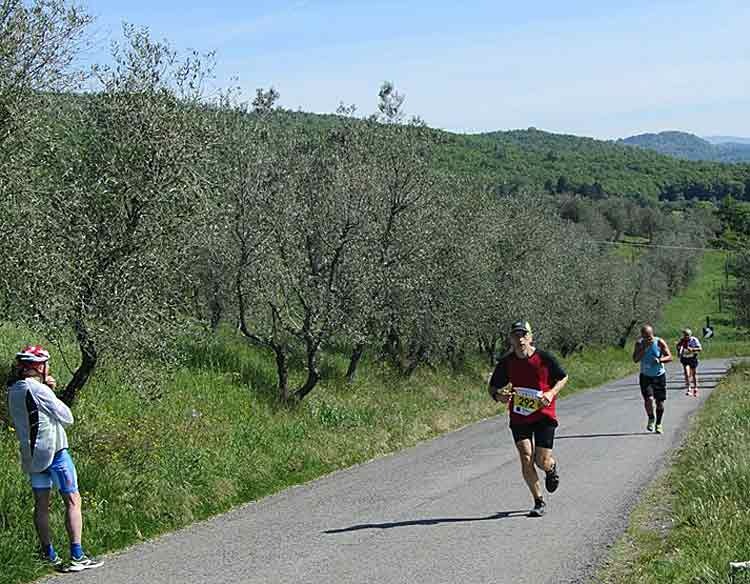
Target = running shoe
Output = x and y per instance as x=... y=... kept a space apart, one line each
x=55 y=563
x=659 y=429
x=687 y=392
x=539 y=508
x=650 y=425
x=83 y=563
x=695 y=393
x=552 y=479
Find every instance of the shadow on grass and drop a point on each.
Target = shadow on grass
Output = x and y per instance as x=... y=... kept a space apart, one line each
x=243 y=364
x=429 y=522
x=240 y=363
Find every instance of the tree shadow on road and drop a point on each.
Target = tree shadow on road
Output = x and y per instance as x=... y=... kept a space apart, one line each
x=616 y=434
x=427 y=522
x=676 y=384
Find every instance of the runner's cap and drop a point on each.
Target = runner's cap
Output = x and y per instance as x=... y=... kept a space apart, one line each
x=687 y=331
x=521 y=325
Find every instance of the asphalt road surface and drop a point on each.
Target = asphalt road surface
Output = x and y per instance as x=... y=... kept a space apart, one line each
x=451 y=510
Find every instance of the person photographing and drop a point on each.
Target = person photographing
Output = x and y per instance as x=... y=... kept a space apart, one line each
x=40 y=419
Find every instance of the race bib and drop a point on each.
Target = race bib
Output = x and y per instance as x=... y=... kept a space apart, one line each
x=527 y=401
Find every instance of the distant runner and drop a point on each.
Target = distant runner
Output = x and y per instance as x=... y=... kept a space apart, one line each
x=535 y=378
x=652 y=352
x=39 y=418
x=688 y=348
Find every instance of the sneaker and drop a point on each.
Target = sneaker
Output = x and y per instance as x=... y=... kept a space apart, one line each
x=650 y=425
x=539 y=508
x=695 y=393
x=687 y=392
x=83 y=563
x=55 y=563
x=659 y=429
x=552 y=480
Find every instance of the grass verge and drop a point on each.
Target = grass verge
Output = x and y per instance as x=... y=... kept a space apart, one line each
x=700 y=300
x=694 y=520
x=157 y=450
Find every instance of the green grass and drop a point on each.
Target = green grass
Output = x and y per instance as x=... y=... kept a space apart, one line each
x=700 y=300
x=596 y=367
x=158 y=449
x=696 y=519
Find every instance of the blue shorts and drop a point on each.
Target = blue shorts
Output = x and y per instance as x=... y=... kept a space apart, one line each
x=61 y=473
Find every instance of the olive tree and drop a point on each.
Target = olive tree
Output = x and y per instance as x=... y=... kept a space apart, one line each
x=523 y=258
x=39 y=43
x=251 y=174
x=647 y=291
x=401 y=231
x=243 y=165
x=298 y=203
x=105 y=236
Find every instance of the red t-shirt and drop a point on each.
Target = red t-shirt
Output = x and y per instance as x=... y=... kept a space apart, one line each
x=540 y=371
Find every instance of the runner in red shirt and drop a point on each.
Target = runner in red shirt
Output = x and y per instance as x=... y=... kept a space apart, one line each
x=535 y=378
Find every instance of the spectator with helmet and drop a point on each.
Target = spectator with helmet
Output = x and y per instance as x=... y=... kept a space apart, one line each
x=40 y=418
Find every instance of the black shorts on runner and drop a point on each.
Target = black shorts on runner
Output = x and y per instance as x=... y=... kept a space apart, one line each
x=542 y=432
x=655 y=387
x=690 y=362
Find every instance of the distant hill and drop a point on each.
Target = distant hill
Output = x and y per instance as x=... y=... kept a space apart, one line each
x=528 y=160
x=692 y=147
x=534 y=161
x=726 y=140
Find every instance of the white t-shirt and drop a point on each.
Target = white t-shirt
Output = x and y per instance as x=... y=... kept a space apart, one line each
x=686 y=348
x=39 y=418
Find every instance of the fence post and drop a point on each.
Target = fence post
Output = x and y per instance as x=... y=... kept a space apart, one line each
x=726 y=269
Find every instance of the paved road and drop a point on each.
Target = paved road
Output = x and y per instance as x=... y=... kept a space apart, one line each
x=452 y=510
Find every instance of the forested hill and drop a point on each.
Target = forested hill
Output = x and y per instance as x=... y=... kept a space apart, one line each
x=533 y=159
x=727 y=139
x=690 y=147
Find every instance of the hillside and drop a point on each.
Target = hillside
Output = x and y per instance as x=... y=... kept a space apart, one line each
x=691 y=147
x=535 y=160
x=727 y=139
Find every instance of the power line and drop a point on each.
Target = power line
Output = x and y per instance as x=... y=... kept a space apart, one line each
x=635 y=244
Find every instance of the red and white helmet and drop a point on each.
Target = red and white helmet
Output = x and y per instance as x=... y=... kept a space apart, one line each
x=33 y=354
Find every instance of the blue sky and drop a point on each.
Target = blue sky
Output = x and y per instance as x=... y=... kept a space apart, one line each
x=596 y=68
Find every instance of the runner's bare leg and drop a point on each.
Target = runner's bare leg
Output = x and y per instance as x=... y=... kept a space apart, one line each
x=526 y=454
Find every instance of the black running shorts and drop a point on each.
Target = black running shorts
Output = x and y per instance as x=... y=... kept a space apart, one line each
x=690 y=362
x=542 y=432
x=655 y=387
